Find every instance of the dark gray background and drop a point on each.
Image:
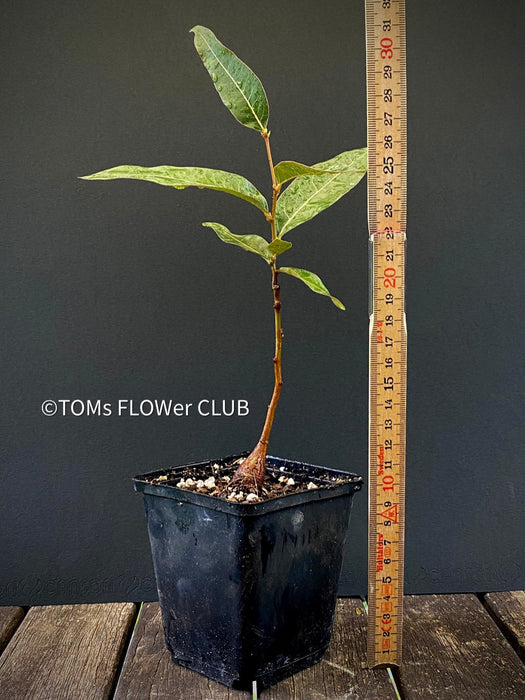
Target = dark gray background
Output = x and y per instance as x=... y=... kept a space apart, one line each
x=114 y=290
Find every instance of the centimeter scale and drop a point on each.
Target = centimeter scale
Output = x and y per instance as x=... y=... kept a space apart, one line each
x=386 y=112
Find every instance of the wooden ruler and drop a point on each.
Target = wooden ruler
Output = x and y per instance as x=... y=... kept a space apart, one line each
x=386 y=93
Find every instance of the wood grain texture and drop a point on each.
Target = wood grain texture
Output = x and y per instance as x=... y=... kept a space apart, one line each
x=508 y=610
x=453 y=650
x=342 y=673
x=66 y=651
x=149 y=672
x=10 y=618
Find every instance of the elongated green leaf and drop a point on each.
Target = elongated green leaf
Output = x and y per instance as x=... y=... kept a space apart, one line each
x=311 y=194
x=239 y=88
x=278 y=246
x=312 y=281
x=288 y=169
x=180 y=178
x=250 y=242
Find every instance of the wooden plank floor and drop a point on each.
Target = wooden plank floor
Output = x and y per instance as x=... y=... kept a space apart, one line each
x=456 y=647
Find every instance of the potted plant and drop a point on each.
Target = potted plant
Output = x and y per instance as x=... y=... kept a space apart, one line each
x=247 y=549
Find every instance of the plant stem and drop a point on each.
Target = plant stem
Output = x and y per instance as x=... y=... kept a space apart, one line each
x=253 y=469
x=277 y=359
x=275 y=187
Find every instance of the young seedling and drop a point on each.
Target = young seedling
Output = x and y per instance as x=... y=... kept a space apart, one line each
x=309 y=190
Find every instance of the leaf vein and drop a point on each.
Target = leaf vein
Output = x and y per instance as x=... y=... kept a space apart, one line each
x=235 y=83
x=307 y=201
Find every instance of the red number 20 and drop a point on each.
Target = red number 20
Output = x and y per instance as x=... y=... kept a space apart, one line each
x=390 y=277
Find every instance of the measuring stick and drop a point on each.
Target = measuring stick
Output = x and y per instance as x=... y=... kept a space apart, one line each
x=386 y=112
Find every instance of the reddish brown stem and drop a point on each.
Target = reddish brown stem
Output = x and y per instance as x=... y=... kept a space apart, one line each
x=252 y=471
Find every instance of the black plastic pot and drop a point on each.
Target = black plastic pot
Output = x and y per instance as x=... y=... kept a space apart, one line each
x=247 y=591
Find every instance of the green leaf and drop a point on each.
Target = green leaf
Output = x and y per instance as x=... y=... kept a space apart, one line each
x=250 y=242
x=180 y=178
x=312 y=281
x=278 y=246
x=311 y=194
x=239 y=88
x=288 y=169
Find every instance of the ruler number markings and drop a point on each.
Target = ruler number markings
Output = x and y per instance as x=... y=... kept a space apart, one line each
x=386 y=88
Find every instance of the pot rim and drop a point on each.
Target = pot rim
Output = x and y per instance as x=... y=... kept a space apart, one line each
x=142 y=485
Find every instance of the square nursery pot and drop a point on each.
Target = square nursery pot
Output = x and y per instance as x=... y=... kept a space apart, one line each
x=248 y=590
